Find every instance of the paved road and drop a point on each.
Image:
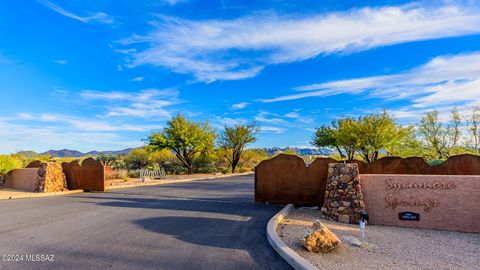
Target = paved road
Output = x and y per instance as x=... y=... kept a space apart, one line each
x=210 y=224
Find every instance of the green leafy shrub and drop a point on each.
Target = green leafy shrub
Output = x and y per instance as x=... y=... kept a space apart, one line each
x=435 y=162
x=8 y=163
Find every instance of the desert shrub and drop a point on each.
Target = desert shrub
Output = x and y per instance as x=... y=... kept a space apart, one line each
x=137 y=159
x=8 y=163
x=174 y=168
x=134 y=173
x=434 y=162
x=204 y=163
x=116 y=174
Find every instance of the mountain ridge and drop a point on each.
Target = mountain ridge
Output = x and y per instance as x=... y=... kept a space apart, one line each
x=63 y=153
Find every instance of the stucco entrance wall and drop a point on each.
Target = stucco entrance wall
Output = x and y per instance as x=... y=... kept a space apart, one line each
x=22 y=179
x=449 y=202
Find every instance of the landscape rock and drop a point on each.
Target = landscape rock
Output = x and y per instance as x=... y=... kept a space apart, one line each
x=320 y=239
x=353 y=241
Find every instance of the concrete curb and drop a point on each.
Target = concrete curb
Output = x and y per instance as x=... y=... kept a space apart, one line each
x=164 y=182
x=290 y=256
x=9 y=195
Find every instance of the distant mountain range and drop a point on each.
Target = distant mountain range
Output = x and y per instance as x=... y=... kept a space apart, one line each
x=76 y=154
x=73 y=153
x=300 y=151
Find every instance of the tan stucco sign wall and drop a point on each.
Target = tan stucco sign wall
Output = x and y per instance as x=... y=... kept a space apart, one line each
x=441 y=201
x=22 y=179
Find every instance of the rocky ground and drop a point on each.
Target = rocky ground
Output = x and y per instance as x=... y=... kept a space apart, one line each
x=385 y=247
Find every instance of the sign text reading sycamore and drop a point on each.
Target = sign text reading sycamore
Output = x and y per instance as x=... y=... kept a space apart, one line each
x=427 y=203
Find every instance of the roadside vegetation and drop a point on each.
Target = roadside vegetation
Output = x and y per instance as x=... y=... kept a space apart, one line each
x=185 y=146
x=373 y=136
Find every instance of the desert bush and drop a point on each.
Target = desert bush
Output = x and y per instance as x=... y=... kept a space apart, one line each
x=116 y=174
x=137 y=159
x=435 y=162
x=8 y=163
x=134 y=173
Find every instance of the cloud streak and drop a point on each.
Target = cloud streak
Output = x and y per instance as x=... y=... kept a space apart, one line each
x=443 y=81
x=98 y=17
x=240 y=48
x=147 y=103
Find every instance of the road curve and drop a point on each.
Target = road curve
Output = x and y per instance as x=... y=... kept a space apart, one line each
x=211 y=224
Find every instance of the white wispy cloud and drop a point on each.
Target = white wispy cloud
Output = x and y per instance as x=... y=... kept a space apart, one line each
x=84 y=123
x=269 y=118
x=240 y=105
x=147 y=103
x=174 y=2
x=271 y=129
x=99 y=17
x=452 y=80
x=91 y=94
x=240 y=48
x=61 y=61
x=137 y=79
x=219 y=122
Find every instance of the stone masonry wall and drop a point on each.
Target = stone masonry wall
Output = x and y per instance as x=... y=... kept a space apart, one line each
x=50 y=178
x=343 y=194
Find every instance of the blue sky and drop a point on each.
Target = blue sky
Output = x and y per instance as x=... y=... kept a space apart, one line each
x=100 y=75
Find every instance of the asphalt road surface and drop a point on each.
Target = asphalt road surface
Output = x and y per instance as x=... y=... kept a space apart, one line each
x=211 y=224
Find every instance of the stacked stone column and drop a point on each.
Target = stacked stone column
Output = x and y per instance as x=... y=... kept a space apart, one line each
x=343 y=194
x=50 y=178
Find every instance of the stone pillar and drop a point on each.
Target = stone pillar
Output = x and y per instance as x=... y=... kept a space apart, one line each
x=343 y=194
x=50 y=178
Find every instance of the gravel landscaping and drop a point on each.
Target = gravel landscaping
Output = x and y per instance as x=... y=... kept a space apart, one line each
x=385 y=247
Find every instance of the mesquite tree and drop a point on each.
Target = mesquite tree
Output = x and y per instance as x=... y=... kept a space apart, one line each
x=185 y=138
x=233 y=141
x=438 y=137
x=365 y=135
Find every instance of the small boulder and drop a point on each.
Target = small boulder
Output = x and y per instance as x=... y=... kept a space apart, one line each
x=354 y=241
x=320 y=238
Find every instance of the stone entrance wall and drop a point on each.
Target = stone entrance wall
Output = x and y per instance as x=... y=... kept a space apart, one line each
x=438 y=201
x=22 y=179
x=48 y=177
x=287 y=179
x=343 y=194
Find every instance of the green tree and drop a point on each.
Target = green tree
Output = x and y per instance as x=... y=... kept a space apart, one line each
x=106 y=159
x=440 y=140
x=347 y=136
x=474 y=129
x=137 y=159
x=185 y=138
x=234 y=139
x=366 y=135
x=378 y=132
x=337 y=136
